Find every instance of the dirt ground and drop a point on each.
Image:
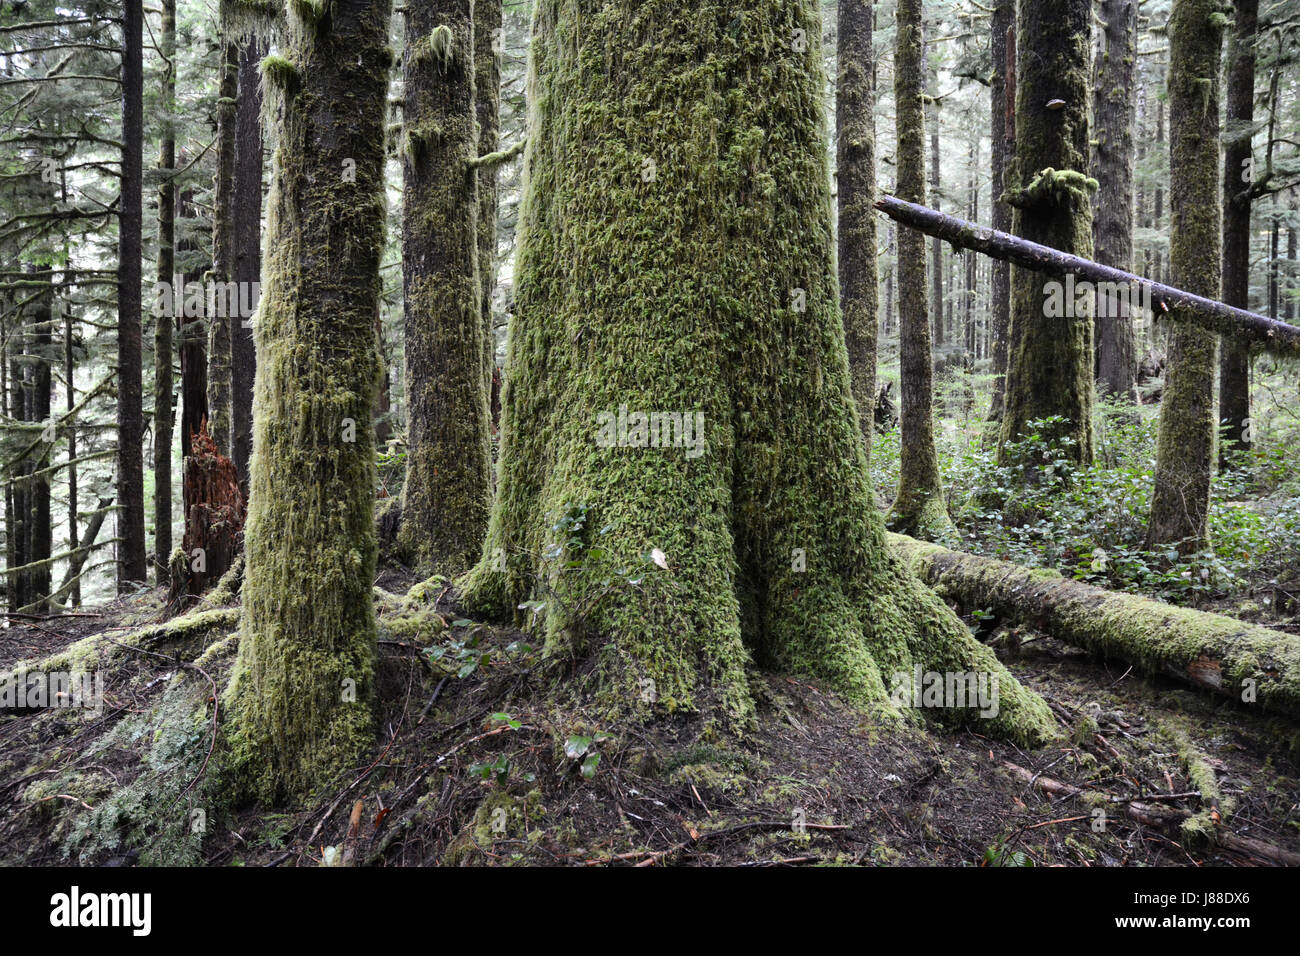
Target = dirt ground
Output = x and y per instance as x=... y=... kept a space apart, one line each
x=486 y=770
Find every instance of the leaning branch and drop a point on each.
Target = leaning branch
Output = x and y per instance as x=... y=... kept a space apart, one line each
x=1247 y=327
x=1230 y=657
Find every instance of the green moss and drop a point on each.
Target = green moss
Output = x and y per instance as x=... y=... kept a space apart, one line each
x=280 y=71
x=297 y=707
x=667 y=140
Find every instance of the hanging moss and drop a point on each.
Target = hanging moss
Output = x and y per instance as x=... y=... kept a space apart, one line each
x=1050 y=357
x=298 y=703
x=919 y=508
x=448 y=464
x=1186 y=448
x=677 y=201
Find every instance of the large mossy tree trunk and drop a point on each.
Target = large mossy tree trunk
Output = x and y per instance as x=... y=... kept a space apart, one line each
x=919 y=508
x=855 y=162
x=298 y=704
x=1050 y=373
x=676 y=257
x=132 y=561
x=1185 y=450
x=1234 y=363
x=448 y=465
x=1113 y=157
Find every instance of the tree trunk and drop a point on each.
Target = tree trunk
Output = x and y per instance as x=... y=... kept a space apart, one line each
x=1002 y=95
x=856 y=191
x=448 y=463
x=247 y=238
x=919 y=508
x=1185 y=454
x=1218 y=653
x=758 y=530
x=164 y=323
x=1238 y=175
x=223 y=238
x=193 y=342
x=488 y=44
x=298 y=705
x=936 y=247
x=1050 y=356
x=132 y=566
x=1113 y=157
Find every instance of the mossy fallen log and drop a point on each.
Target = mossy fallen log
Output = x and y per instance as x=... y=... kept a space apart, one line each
x=1254 y=665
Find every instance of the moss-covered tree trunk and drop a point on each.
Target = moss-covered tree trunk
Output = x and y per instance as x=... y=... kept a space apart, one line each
x=931 y=73
x=448 y=464
x=855 y=191
x=488 y=44
x=298 y=705
x=163 y=390
x=1113 y=156
x=919 y=508
x=676 y=260
x=1185 y=454
x=1234 y=363
x=1050 y=373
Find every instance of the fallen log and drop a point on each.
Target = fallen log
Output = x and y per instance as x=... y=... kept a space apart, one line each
x=1253 y=665
x=1247 y=327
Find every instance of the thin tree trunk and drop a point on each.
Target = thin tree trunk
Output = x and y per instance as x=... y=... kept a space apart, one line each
x=1002 y=97
x=919 y=508
x=133 y=565
x=1113 y=158
x=164 y=323
x=298 y=706
x=856 y=191
x=448 y=464
x=1185 y=454
x=1051 y=365
x=1238 y=176
x=223 y=241
x=488 y=43
x=936 y=247
x=247 y=238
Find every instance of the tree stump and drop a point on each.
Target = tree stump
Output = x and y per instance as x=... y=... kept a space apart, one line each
x=215 y=510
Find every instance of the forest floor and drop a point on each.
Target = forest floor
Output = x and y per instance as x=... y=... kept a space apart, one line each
x=482 y=769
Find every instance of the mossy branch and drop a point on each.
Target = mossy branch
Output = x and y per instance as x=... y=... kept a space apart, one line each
x=438 y=47
x=489 y=160
x=1052 y=186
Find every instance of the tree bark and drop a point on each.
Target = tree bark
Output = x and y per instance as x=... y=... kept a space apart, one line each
x=919 y=507
x=1113 y=156
x=489 y=39
x=448 y=463
x=1002 y=96
x=763 y=542
x=1221 y=654
x=1051 y=366
x=1185 y=455
x=223 y=237
x=163 y=416
x=856 y=191
x=1238 y=177
x=298 y=707
x=247 y=246
x=133 y=566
